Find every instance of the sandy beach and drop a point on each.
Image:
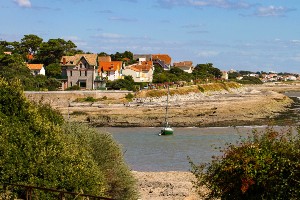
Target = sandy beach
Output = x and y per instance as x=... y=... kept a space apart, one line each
x=166 y=185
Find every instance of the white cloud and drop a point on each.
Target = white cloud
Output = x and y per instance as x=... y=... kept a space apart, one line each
x=208 y=53
x=272 y=11
x=109 y=36
x=23 y=3
x=205 y=3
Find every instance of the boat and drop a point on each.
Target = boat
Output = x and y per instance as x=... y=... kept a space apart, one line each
x=167 y=129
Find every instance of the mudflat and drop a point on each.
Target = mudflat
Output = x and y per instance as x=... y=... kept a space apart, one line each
x=249 y=105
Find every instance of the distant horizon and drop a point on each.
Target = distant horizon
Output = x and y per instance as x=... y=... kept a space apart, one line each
x=245 y=35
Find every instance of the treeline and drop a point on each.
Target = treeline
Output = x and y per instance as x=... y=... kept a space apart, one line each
x=32 y=49
x=39 y=148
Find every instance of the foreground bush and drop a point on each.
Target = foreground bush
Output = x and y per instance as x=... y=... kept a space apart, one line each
x=108 y=156
x=38 y=148
x=264 y=166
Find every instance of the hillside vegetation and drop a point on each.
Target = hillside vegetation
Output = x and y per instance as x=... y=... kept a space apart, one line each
x=209 y=87
x=38 y=148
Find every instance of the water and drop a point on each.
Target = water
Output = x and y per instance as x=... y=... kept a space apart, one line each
x=144 y=150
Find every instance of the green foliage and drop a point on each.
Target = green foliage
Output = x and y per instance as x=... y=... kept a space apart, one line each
x=201 y=89
x=37 y=148
x=119 y=84
x=263 y=166
x=51 y=52
x=108 y=156
x=120 y=56
x=204 y=71
x=12 y=67
x=250 y=80
x=30 y=44
x=90 y=99
x=74 y=87
x=53 y=70
x=129 y=96
x=233 y=75
x=175 y=74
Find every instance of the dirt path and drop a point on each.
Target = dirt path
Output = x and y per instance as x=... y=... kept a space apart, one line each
x=166 y=185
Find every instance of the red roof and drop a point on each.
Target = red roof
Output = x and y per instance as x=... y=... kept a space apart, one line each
x=163 y=57
x=110 y=66
x=144 y=66
x=35 y=66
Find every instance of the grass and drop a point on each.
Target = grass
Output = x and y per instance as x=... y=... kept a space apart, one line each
x=209 y=87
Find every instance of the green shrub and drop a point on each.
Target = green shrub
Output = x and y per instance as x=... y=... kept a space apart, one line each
x=78 y=112
x=250 y=80
x=38 y=148
x=129 y=96
x=263 y=166
x=108 y=156
x=74 y=87
x=90 y=99
x=201 y=89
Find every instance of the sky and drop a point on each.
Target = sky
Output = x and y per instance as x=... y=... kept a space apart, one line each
x=254 y=35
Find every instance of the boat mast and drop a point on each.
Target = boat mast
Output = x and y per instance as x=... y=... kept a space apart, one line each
x=166 y=117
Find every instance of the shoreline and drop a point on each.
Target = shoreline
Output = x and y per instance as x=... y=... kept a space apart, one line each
x=246 y=106
x=238 y=108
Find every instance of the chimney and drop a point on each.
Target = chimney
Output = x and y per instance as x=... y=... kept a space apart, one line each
x=64 y=61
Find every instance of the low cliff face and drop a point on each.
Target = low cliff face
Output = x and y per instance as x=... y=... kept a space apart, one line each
x=243 y=106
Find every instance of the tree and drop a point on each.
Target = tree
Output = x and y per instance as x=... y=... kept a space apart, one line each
x=53 y=70
x=30 y=44
x=126 y=83
x=233 y=75
x=51 y=52
x=204 y=71
x=263 y=166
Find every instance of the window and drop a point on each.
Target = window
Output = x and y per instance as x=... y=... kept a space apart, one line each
x=82 y=84
x=71 y=73
x=71 y=84
x=85 y=73
x=80 y=65
x=79 y=73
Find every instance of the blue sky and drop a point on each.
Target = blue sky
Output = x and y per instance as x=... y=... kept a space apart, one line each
x=255 y=35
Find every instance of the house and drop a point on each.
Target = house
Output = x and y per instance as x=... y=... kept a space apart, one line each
x=224 y=75
x=109 y=70
x=141 y=72
x=186 y=66
x=163 y=60
x=80 y=70
x=145 y=57
x=36 y=69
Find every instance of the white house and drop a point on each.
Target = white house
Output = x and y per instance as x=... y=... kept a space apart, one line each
x=37 y=69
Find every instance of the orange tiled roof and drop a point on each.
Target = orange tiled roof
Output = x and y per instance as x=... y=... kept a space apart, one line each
x=30 y=57
x=163 y=57
x=73 y=60
x=144 y=66
x=35 y=66
x=110 y=66
x=183 y=64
